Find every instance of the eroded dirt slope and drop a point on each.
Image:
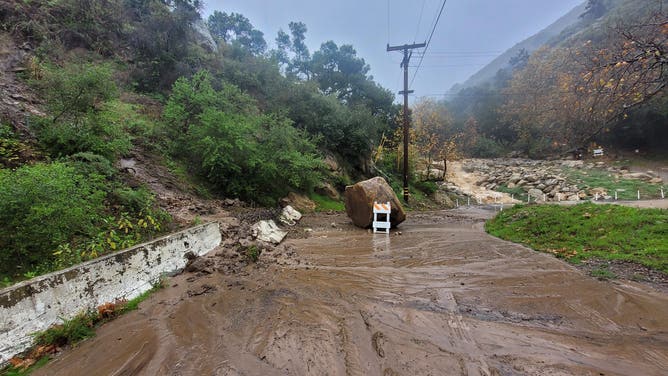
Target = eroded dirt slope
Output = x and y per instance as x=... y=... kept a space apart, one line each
x=443 y=298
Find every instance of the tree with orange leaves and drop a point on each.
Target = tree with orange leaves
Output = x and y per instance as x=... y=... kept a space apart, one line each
x=565 y=97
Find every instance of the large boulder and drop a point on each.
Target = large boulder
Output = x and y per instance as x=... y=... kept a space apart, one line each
x=359 y=200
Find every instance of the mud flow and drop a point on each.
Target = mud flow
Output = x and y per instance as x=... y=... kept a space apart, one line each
x=442 y=298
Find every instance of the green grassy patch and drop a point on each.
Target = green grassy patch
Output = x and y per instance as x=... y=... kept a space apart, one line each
x=603 y=273
x=133 y=304
x=627 y=189
x=324 y=203
x=576 y=233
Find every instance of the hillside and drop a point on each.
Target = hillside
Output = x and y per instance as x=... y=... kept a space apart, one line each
x=122 y=120
x=600 y=81
x=530 y=44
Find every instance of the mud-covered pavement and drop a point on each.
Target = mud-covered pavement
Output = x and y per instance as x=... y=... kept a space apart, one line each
x=442 y=298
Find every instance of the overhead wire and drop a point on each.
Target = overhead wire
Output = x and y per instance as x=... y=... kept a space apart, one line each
x=431 y=35
x=417 y=31
x=388 y=22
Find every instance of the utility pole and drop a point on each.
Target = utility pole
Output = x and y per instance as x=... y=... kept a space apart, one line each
x=405 y=92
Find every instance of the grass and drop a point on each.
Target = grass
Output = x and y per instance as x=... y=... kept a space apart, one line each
x=580 y=232
x=627 y=189
x=133 y=304
x=603 y=273
x=70 y=332
x=324 y=203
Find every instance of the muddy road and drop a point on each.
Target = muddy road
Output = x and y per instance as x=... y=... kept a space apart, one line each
x=442 y=298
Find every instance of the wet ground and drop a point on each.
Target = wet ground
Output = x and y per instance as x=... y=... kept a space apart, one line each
x=442 y=298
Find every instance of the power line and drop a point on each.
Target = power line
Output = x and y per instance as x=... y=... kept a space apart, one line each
x=466 y=52
x=388 y=21
x=449 y=65
x=454 y=55
x=417 y=31
x=440 y=12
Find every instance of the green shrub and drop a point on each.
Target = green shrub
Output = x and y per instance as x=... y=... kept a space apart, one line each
x=243 y=153
x=428 y=187
x=89 y=163
x=83 y=113
x=99 y=132
x=487 y=148
x=252 y=253
x=41 y=207
x=133 y=200
x=10 y=147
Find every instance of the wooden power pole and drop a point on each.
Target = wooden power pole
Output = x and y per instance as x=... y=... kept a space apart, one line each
x=404 y=63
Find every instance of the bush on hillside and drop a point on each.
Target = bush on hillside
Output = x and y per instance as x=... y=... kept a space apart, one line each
x=41 y=207
x=84 y=115
x=244 y=153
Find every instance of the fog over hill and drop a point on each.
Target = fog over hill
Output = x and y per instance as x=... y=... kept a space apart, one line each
x=530 y=44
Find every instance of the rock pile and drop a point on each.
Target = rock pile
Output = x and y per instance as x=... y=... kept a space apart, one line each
x=542 y=180
x=545 y=180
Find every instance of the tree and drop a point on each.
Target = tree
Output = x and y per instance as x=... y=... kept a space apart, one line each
x=435 y=136
x=340 y=72
x=569 y=96
x=163 y=40
x=595 y=9
x=292 y=51
x=235 y=28
x=520 y=59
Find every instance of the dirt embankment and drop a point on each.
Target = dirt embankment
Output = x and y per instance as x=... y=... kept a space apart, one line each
x=442 y=298
x=17 y=101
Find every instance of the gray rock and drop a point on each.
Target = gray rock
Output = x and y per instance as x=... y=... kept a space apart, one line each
x=268 y=231
x=289 y=216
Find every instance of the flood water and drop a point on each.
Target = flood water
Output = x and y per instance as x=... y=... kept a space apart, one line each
x=442 y=298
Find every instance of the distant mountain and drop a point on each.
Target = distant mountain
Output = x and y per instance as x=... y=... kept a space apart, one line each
x=530 y=44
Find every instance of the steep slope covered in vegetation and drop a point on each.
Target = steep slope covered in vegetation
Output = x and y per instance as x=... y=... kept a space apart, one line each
x=94 y=82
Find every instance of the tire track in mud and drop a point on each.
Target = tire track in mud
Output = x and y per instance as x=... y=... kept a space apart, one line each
x=444 y=298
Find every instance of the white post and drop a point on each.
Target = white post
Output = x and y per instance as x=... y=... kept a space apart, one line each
x=662 y=196
x=544 y=197
x=528 y=198
x=638 y=194
x=615 y=195
x=468 y=201
x=457 y=202
x=596 y=196
x=512 y=196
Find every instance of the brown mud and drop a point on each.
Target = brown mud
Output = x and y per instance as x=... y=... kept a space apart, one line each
x=442 y=298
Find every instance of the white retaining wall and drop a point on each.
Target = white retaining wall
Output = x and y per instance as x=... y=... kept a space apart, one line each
x=41 y=302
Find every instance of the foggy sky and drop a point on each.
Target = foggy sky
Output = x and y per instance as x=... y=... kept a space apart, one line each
x=470 y=33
